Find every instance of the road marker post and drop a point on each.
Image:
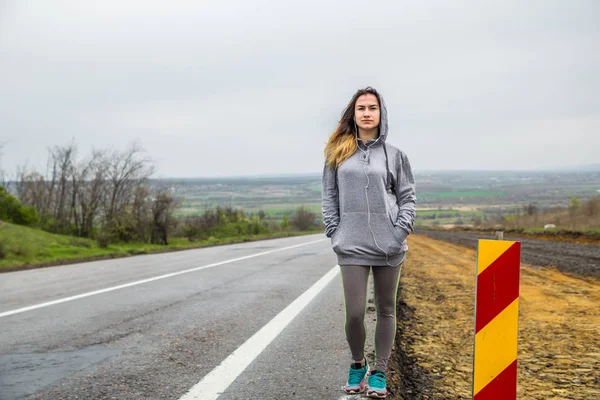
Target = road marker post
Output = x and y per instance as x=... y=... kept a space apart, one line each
x=496 y=320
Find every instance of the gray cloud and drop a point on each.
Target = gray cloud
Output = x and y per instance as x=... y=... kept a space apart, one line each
x=252 y=87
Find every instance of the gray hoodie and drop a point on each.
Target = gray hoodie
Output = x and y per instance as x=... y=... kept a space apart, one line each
x=369 y=208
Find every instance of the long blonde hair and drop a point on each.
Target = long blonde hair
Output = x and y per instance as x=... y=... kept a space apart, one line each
x=342 y=142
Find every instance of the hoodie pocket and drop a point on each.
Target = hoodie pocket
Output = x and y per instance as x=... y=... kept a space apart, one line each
x=354 y=236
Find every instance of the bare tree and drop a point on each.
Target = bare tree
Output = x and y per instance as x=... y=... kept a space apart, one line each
x=141 y=212
x=89 y=183
x=65 y=173
x=52 y=195
x=110 y=188
x=2 y=175
x=32 y=190
x=48 y=185
x=125 y=172
x=162 y=217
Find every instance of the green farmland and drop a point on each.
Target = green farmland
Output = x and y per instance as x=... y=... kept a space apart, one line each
x=458 y=194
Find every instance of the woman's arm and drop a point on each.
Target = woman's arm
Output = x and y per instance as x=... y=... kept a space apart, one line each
x=405 y=194
x=330 y=201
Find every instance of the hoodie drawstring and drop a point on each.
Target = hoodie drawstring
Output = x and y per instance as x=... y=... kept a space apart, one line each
x=389 y=184
x=389 y=178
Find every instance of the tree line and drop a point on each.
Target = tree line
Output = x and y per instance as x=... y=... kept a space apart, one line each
x=106 y=194
x=109 y=196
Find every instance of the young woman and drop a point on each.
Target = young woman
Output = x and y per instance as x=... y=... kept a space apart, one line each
x=368 y=210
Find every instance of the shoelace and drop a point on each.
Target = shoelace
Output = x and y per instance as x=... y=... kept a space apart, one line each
x=356 y=376
x=378 y=381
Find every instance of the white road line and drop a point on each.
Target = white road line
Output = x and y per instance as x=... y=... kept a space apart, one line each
x=219 y=379
x=156 y=278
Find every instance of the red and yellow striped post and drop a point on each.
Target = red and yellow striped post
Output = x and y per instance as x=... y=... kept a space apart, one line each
x=496 y=320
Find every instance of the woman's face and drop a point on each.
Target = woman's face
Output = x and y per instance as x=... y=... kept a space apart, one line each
x=366 y=112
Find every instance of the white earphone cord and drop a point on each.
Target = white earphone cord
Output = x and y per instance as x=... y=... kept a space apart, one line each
x=368 y=206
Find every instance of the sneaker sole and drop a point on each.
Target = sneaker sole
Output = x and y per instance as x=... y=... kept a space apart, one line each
x=352 y=391
x=376 y=395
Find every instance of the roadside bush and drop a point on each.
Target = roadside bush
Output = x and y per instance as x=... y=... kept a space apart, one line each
x=80 y=243
x=26 y=215
x=255 y=226
x=303 y=219
x=11 y=210
x=22 y=251
x=3 y=250
x=103 y=240
x=285 y=222
x=122 y=231
x=191 y=232
x=223 y=222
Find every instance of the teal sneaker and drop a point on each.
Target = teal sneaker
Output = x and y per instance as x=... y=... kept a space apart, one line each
x=356 y=378
x=377 y=386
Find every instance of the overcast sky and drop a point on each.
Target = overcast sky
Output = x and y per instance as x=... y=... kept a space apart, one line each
x=217 y=88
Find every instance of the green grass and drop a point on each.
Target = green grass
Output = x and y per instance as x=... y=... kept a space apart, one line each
x=26 y=247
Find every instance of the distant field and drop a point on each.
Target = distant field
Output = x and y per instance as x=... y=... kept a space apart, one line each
x=276 y=212
x=446 y=217
x=451 y=211
x=273 y=211
x=461 y=197
x=275 y=196
x=469 y=193
x=280 y=211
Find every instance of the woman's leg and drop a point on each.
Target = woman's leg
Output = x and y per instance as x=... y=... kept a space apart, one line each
x=354 y=280
x=386 y=281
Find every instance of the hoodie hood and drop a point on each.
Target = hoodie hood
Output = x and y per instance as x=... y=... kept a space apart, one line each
x=383 y=126
x=380 y=141
x=383 y=123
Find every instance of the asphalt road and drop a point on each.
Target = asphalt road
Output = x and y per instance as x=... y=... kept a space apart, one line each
x=157 y=339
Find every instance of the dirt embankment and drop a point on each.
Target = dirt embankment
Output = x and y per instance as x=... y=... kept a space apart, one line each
x=559 y=327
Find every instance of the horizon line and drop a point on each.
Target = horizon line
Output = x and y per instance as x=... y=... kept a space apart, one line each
x=592 y=168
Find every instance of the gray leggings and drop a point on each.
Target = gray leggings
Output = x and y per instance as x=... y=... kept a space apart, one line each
x=385 y=279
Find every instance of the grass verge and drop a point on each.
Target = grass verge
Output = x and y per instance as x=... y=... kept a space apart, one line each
x=26 y=248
